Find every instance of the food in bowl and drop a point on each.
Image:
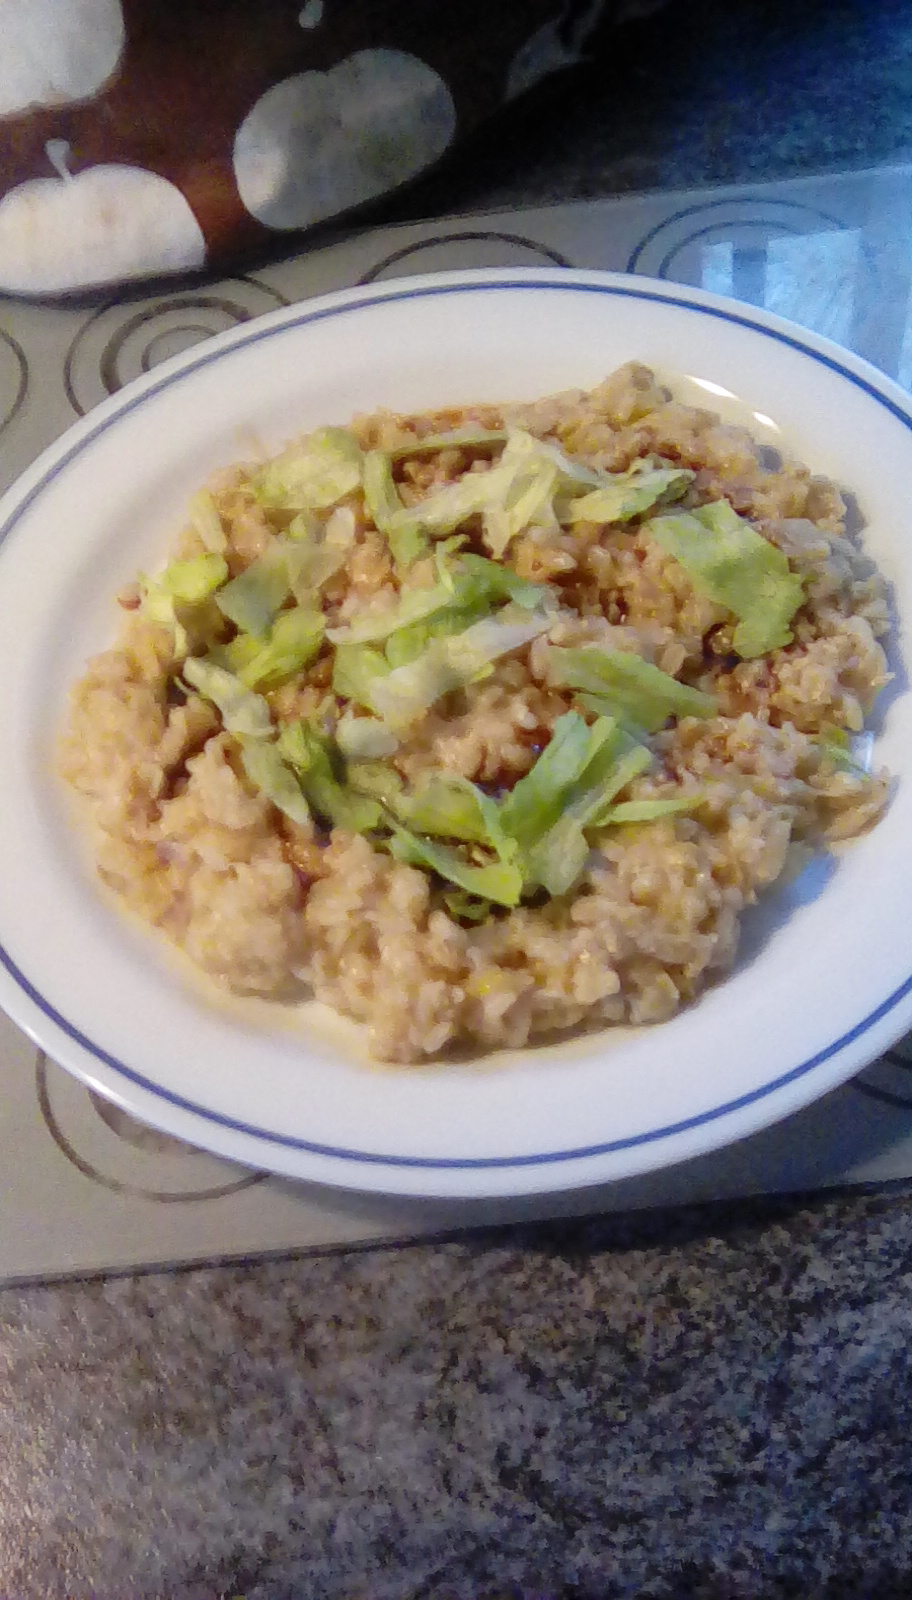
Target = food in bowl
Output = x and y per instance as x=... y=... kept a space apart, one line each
x=486 y=723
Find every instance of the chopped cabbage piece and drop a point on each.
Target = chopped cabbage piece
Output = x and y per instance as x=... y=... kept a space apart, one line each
x=470 y=583
x=730 y=562
x=254 y=598
x=628 y=811
x=294 y=640
x=207 y=523
x=377 y=779
x=510 y=495
x=465 y=907
x=318 y=552
x=452 y=663
x=243 y=713
x=311 y=475
x=628 y=495
x=622 y=684
x=357 y=669
x=183 y=583
x=431 y=442
x=451 y=806
x=274 y=778
x=556 y=859
x=364 y=738
x=310 y=755
x=536 y=800
x=192 y=581
x=405 y=538
x=500 y=881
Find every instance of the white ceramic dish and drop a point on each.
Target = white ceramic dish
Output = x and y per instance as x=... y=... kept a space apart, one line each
x=825 y=982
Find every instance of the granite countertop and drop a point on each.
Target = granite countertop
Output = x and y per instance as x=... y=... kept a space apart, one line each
x=712 y=1404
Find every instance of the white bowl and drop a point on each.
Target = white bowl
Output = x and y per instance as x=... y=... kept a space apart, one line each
x=825 y=980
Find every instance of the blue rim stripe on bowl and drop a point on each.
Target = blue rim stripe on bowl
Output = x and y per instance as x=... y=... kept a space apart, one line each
x=363 y=1157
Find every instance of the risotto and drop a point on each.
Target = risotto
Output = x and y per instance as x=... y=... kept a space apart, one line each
x=487 y=723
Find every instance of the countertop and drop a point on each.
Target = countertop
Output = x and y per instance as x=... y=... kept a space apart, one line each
x=712 y=1403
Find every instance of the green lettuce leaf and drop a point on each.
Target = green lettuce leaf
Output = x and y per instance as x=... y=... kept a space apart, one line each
x=730 y=562
x=274 y=778
x=311 y=756
x=294 y=641
x=407 y=644
x=243 y=713
x=206 y=522
x=837 y=745
x=183 y=584
x=510 y=495
x=312 y=475
x=498 y=881
x=559 y=858
x=452 y=807
x=464 y=907
x=317 y=552
x=404 y=536
x=536 y=800
x=254 y=598
x=447 y=441
x=452 y=663
x=621 y=684
x=628 y=496
x=364 y=738
x=556 y=858
x=378 y=780
x=357 y=669
x=628 y=811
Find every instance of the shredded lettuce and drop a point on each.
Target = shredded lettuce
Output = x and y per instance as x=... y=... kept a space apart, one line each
x=403 y=534
x=628 y=811
x=357 y=669
x=452 y=807
x=317 y=553
x=728 y=560
x=253 y=599
x=364 y=738
x=207 y=523
x=182 y=584
x=619 y=683
x=572 y=477
x=465 y=907
x=472 y=583
x=510 y=495
x=407 y=644
x=414 y=605
x=310 y=754
x=274 y=778
x=628 y=495
x=557 y=857
x=499 y=881
x=448 y=441
x=477 y=581
x=192 y=581
x=536 y=800
x=294 y=641
x=452 y=663
x=377 y=779
x=243 y=713
x=838 y=747
x=312 y=475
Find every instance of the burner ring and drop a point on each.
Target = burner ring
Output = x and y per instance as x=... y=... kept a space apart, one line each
x=552 y=258
x=115 y=345
x=20 y=385
x=121 y=1185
